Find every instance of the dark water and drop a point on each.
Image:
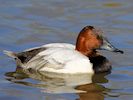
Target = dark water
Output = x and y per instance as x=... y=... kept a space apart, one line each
x=29 y=23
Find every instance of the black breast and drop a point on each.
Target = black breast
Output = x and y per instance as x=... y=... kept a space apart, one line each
x=100 y=64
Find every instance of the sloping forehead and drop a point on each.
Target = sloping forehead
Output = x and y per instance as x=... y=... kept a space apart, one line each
x=95 y=30
x=98 y=32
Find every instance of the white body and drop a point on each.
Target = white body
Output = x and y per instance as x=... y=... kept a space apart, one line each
x=59 y=58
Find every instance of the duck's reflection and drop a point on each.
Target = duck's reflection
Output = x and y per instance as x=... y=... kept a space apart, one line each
x=94 y=91
x=85 y=85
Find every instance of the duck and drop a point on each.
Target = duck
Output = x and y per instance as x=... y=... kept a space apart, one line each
x=65 y=58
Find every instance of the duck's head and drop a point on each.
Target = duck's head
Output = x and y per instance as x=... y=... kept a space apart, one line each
x=90 y=39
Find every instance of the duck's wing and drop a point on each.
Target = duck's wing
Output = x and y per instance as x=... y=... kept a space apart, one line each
x=28 y=54
x=59 y=45
x=53 y=58
x=37 y=58
x=55 y=45
x=25 y=56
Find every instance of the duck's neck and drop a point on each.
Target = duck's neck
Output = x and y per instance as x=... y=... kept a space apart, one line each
x=88 y=53
x=83 y=47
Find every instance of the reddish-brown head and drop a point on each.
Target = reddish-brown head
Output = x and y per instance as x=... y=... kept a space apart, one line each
x=90 y=39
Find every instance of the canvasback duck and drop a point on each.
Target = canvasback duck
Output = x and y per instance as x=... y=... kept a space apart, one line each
x=66 y=58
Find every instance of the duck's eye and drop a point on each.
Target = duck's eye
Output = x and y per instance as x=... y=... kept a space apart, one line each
x=99 y=37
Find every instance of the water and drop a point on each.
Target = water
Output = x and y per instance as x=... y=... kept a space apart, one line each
x=28 y=23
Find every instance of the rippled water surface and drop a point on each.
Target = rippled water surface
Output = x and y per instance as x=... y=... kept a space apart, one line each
x=28 y=23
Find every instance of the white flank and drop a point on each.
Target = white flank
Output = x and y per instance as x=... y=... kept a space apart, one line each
x=61 y=60
x=57 y=58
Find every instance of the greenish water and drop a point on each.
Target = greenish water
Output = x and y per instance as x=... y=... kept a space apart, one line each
x=28 y=23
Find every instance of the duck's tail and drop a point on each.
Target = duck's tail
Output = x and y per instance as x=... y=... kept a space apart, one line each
x=10 y=54
x=13 y=55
